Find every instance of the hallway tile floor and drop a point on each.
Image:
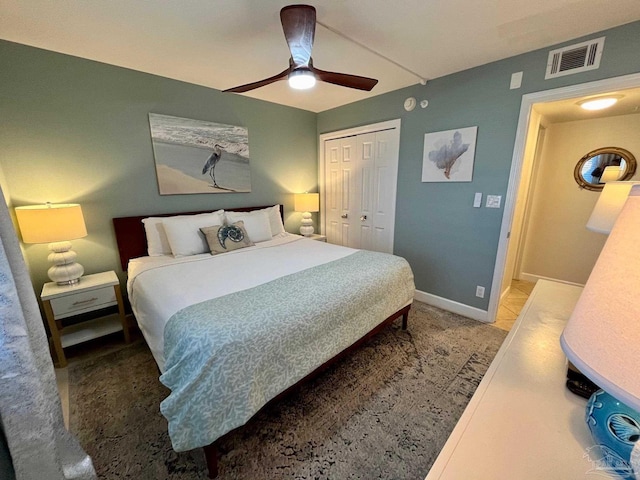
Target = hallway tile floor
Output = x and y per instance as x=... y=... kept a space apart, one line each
x=511 y=305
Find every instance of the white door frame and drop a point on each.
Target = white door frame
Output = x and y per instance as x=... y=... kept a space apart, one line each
x=375 y=127
x=528 y=100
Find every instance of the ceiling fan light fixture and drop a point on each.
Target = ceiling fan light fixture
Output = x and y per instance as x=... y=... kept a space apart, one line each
x=302 y=79
x=299 y=27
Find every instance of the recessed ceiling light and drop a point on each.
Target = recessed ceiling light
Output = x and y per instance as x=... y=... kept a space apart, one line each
x=598 y=103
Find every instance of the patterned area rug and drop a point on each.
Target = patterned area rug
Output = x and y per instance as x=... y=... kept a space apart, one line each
x=383 y=412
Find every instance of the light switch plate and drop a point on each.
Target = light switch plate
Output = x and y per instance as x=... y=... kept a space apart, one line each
x=477 y=200
x=493 y=201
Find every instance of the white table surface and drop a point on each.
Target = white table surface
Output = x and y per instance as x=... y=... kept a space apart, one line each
x=52 y=290
x=522 y=423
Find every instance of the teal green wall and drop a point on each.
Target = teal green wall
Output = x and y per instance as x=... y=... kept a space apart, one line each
x=75 y=130
x=450 y=245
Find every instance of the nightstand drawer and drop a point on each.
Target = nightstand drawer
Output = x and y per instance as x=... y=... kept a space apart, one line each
x=81 y=302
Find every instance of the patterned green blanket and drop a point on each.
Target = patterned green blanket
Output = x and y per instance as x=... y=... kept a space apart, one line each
x=227 y=357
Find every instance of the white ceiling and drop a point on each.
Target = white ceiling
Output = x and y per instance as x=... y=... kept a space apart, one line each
x=225 y=43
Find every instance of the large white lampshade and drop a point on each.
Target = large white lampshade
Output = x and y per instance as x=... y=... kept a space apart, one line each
x=609 y=205
x=306 y=203
x=602 y=336
x=55 y=224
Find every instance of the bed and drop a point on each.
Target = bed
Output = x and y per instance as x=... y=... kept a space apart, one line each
x=233 y=331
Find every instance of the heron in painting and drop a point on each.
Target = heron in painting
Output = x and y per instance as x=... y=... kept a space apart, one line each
x=212 y=161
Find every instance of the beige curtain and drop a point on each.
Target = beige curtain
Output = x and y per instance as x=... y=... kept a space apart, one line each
x=34 y=443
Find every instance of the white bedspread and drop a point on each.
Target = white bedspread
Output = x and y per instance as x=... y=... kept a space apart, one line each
x=154 y=281
x=226 y=357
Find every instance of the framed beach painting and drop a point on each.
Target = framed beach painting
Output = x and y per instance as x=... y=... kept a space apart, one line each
x=196 y=156
x=448 y=156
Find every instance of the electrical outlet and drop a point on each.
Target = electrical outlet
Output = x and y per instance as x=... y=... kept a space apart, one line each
x=480 y=291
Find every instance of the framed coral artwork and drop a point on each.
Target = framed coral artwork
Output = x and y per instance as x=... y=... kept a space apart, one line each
x=448 y=156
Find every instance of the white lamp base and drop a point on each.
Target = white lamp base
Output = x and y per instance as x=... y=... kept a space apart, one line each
x=306 y=228
x=65 y=270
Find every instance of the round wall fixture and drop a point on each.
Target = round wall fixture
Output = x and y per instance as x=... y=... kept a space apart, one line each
x=409 y=104
x=424 y=103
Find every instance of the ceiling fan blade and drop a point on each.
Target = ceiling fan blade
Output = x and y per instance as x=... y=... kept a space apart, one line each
x=261 y=83
x=344 y=80
x=299 y=26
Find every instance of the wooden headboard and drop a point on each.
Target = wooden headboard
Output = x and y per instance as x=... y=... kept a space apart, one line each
x=132 y=240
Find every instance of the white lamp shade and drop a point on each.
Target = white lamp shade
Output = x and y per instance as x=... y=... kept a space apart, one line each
x=610 y=174
x=307 y=202
x=51 y=223
x=609 y=205
x=602 y=336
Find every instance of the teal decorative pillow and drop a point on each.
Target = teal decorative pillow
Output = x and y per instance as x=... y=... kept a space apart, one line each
x=225 y=238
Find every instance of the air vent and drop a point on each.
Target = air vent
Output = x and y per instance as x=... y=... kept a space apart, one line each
x=575 y=58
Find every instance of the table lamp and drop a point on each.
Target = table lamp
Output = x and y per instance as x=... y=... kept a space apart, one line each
x=602 y=339
x=611 y=174
x=608 y=206
x=306 y=203
x=55 y=224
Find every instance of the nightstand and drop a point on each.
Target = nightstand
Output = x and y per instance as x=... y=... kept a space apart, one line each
x=92 y=293
x=320 y=238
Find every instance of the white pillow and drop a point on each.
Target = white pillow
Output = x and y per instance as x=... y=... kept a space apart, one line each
x=184 y=235
x=157 y=242
x=275 y=220
x=256 y=224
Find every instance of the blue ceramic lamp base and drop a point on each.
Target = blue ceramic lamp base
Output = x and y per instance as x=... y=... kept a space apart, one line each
x=615 y=429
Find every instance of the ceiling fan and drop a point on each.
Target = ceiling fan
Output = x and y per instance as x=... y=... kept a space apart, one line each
x=299 y=26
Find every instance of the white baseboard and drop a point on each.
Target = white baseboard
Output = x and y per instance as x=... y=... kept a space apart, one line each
x=529 y=277
x=451 y=306
x=505 y=293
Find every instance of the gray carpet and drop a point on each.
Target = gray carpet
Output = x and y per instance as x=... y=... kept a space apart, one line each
x=383 y=412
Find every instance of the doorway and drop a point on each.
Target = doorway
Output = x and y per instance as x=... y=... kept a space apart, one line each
x=521 y=170
x=358 y=172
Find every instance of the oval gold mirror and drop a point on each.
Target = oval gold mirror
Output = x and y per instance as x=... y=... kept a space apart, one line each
x=590 y=172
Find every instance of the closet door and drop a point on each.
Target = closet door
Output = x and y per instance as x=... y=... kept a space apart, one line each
x=364 y=190
x=360 y=190
x=384 y=188
x=340 y=180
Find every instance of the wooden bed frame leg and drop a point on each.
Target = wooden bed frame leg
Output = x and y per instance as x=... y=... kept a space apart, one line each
x=211 y=456
x=405 y=318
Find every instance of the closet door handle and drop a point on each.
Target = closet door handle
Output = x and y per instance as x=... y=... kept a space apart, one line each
x=363 y=218
x=345 y=215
